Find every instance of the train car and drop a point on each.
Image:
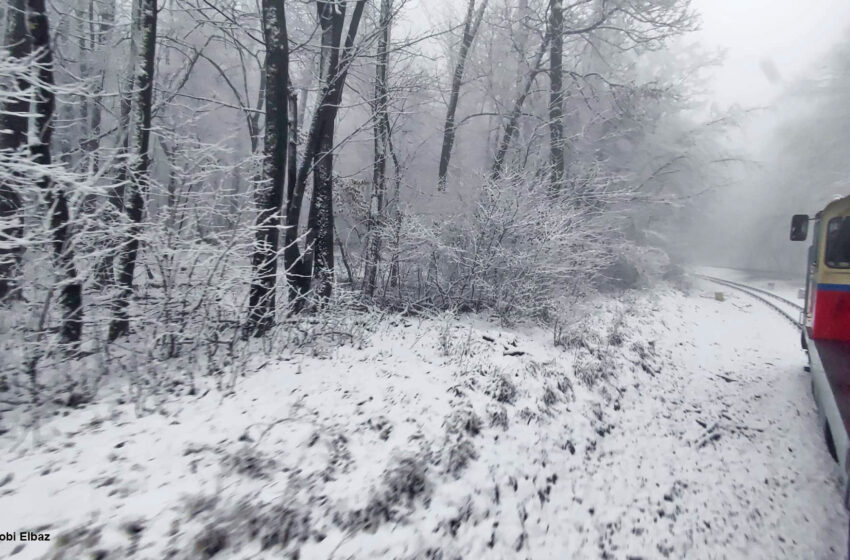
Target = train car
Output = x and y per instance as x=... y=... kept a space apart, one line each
x=825 y=325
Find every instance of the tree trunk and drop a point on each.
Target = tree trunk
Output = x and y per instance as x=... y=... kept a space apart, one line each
x=140 y=170
x=291 y=179
x=13 y=136
x=84 y=48
x=470 y=30
x=124 y=116
x=321 y=220
x=319 y=137
x=379 y=164
x=105 y=274
x=91 y=110
x=72 y=292
x=268 y=193
x=292 y=154
x=556 y=94
x=516 y=112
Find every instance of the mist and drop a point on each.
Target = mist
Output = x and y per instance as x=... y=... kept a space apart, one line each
x=781 y=78
x=424 y=279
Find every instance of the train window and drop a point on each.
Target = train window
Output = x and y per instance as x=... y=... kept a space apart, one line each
x=838 y=243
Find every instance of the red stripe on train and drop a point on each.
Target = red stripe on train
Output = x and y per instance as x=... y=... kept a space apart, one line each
x=832 y=314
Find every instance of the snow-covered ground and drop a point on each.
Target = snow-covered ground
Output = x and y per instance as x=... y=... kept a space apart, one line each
x=786 y=286
x=666 y=426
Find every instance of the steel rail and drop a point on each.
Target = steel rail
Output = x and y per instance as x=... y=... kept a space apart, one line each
x=755 y=293
x=796 y=306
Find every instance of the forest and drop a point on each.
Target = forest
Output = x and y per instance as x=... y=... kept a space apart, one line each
x=188 y=175
x=368 y=278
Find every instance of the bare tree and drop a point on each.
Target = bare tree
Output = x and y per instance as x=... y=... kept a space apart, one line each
x=556 y=93
x=13 y=136
x=146 y=14
x=470 y=30
x=125 y=115
x=104 y=274
x=72 y=296
x=91 y=109
x=381 y=129
x=629 y=24
x=516 y=111
x=318 y=160
x=320 y=222
x=269 y=192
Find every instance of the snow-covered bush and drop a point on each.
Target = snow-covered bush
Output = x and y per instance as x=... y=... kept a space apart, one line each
x=403 y=483
x=634 y=266
x=501 y=388
x=47 y=223
x=515 y=252
x=498 y=415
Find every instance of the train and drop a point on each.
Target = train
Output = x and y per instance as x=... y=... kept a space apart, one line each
x=825 y=323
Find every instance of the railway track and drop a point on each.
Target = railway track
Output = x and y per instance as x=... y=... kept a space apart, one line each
x=761 y=295
x=777 y=297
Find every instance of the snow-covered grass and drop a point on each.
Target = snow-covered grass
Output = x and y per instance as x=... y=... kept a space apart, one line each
x=664 y=425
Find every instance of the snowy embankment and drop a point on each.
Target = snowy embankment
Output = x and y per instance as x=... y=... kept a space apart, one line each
x=665 y=426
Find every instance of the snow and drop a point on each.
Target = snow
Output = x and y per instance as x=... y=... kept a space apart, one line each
x=787 y=287
x=767 y=487
x=667 y=425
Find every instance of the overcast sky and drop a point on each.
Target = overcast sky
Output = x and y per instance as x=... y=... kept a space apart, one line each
x=789 y=35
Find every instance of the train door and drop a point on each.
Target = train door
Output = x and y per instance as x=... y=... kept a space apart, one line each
x=812 y=278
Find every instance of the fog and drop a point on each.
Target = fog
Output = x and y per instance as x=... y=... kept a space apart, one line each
x=421 y=279
x=782 y=77
x=789 y=36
